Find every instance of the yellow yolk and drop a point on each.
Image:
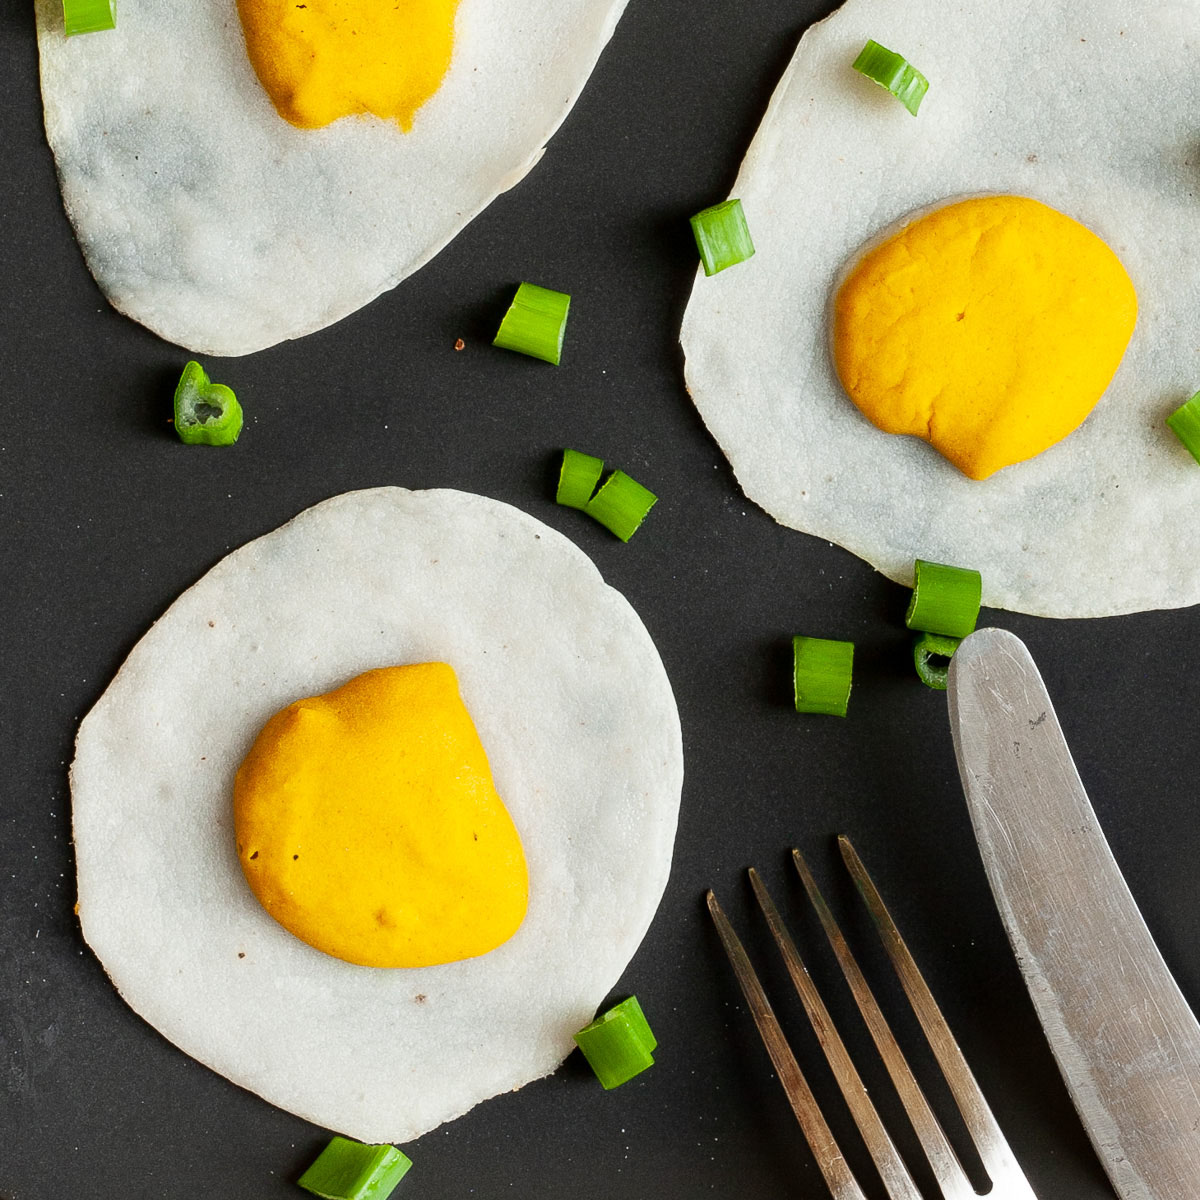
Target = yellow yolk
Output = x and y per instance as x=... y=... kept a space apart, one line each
x=989 y=328
x=325 y=59
x=368 y=824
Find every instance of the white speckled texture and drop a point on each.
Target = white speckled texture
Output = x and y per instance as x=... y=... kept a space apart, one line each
x=205 y=216
x=1087 y=107
x=576 y=714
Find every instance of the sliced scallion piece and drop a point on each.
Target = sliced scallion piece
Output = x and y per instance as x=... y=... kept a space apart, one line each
x=621 y=504
x=1184 y=423
x=535 y=323
x=722 y=236
x=205 y=413
x=88 y=16
x=931 y=656
x=945 y=599
x=893 y=72
x=619 y=1044
x=578 y=478
x=822 y=670
x=347 y=1170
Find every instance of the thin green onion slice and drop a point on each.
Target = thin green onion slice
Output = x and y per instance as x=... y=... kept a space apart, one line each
x=205 y=413
x=619 y=1044
x=822 y=669
x=1184 y=423
x=621 y=504
x=722 y=236
x=88 y=16
x=347 y=1170
x=893 y=72
x=535 y=323
x=945 y=599
x=931 y=656
x=578 y=478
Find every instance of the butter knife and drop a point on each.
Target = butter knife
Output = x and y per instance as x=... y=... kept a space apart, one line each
x=1125 y=1039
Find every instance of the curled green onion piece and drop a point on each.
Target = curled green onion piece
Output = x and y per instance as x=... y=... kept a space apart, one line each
x=822 y=670
x=621 y=504
x=347 y=1170
x=535 y=323
x=88 y=16
x=931 y=656
x=578 y=478
x=619 y=1044
x=893 y=72
x=722 y=236
x=945 y=599
x=205 y=413
x=1184 y=423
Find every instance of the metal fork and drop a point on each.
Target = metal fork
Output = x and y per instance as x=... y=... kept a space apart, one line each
x=1007 y=1179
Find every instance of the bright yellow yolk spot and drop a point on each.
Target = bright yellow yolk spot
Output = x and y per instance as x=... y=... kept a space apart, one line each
x=368 y=824
x=989 y=328
x=324 y=59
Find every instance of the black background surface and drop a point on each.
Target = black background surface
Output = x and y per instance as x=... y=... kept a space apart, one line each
x=106 y=517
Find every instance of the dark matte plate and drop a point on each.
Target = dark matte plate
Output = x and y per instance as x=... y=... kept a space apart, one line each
x=106 y=518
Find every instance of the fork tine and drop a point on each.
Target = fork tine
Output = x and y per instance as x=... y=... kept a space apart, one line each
x=951 y=1177
x=1008 y=1180
x=816 y=1131
x=891 y=1168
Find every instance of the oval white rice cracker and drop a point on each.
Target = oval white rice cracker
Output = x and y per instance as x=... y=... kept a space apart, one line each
x=207 y=217
x=1087 y=107
x=578 y=720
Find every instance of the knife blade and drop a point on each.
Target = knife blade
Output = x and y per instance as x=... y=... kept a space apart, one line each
x=1125 y=1039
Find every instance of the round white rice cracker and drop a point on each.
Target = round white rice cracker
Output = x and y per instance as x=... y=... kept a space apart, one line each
x=1087 y=107
x=577 y=717
x=204 y=215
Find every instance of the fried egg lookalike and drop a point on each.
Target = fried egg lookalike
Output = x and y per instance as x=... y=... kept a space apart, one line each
x=212 y=219
x=1103 y=132
x=368 y=823
x=570 y=700
x=989 y=328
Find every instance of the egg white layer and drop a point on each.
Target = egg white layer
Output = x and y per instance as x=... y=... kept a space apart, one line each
x=579 y=723
x=1087 y=107
x=208 y=218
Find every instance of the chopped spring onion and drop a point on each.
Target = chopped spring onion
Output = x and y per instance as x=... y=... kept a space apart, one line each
x=621 y=504
x=619 y=1044
x=578 y=478
x=822 y=669
x=931 y=656
x=535 y=323
x=205 y=413
x=893 y=72
x=347 y=1170
x=945 y=599
x=1185 y=425
x=722 y=236
x=88 y=16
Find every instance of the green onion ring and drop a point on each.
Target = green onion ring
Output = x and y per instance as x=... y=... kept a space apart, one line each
x=621 y=505
x=931 y=656
x=577 y=478
x=894 y=73
x=821 y=671
x=535 y=324
x=347 y=1170
x=1184 y=423
x=722 y=236
x=944 y=600
x=619 y=1044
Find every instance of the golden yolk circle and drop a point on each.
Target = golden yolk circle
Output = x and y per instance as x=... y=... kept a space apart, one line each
x=324 y=59
x=989 y=327
x=368 y=824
